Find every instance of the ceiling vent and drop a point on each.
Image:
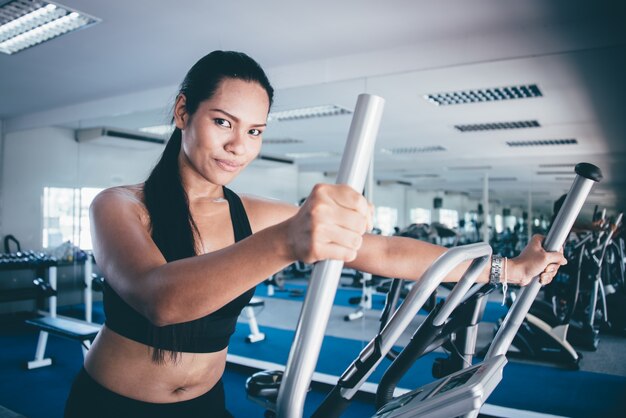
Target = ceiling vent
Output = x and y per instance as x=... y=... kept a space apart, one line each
x=502 y=179
x=393 y=182
x=308 y=112
x=541 y=142
x=497 y=126
x=484 y=95
x=421 y=176
x=553 y=173
x=275 y=159
x=412 y=150
x=118 y=138
x=281 y=141
x=570 y=165
x=470 y=167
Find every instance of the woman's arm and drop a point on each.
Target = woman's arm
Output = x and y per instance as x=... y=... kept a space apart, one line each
x=408 y=258
x=182 y=290
x=328 y=226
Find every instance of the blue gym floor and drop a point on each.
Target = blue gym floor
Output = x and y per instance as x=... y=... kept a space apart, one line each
x=525 y=387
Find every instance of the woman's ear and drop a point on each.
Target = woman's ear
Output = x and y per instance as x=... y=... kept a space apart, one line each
x=180 y=112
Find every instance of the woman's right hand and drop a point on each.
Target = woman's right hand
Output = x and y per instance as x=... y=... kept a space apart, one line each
x=329 y=225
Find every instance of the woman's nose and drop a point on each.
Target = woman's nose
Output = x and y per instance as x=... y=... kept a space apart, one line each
x=236 y=144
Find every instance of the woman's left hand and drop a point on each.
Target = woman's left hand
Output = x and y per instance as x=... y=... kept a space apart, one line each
x=534 y=261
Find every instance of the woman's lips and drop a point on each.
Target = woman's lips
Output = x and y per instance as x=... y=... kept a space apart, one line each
x=229 y=166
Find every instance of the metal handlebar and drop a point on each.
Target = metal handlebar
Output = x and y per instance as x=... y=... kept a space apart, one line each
x=587 y=175
x=325 y=276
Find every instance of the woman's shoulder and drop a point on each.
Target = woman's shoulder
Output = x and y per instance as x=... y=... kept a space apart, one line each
x=127 y=197
x=258 y=202
x=264 y=212
x=129 y=193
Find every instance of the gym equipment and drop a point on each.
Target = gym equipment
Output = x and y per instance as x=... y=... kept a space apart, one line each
x=464 y=392
x=7 y=241
x=356 y=374
x=544 y=333
x=457 y=332
x=255 y=335
x=82 y=331
x=595 y=279
x=552 y=327
x=24 y=288
x=325 y=276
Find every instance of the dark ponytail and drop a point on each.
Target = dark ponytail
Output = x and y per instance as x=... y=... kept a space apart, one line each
x=172 y=226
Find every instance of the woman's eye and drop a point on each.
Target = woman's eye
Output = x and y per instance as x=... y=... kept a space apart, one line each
x=222 y=122
x=255 y=132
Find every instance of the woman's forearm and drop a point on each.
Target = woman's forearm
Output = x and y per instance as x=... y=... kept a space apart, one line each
x=405 y=258
x=194 y=287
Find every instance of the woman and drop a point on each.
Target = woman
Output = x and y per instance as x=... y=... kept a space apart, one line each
x=182 y=254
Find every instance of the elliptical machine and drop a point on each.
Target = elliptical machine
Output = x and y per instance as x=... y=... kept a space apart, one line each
x=597 y=252
x=461 y=393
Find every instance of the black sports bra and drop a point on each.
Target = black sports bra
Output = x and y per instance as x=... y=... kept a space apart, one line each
x=203 y=335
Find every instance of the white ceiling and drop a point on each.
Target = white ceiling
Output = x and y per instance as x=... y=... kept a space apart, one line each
x=327 y=52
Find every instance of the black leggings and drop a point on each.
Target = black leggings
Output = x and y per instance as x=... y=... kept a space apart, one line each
x=90 y=399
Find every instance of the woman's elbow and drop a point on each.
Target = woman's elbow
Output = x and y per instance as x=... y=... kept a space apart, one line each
x=160 y=312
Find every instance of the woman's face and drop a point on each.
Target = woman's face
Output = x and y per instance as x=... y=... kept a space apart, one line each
x=224 y=134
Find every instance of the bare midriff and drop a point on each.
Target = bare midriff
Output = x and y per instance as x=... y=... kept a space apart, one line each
x=126 y=367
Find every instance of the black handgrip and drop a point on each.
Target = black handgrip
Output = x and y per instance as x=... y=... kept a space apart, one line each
x=589 y=171
x=417 y=346
x=391 y=301
x=333 y=405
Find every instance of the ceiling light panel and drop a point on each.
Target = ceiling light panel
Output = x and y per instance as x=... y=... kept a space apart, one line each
x=412 y=150
x=282 y=141
x=498 y=125
x=541 y=142
x=301 y=155
x=309 y=112
x=484 y=95
x=469 y=167
x=163 y=130
x=26 y=23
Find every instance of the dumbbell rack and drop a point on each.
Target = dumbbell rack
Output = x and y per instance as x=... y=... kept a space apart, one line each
x=74 y=329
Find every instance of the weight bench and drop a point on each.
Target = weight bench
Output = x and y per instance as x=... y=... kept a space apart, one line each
x=255 y=335
x=72 y=329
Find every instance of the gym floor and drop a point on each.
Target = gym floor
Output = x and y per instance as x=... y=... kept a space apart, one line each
x=529 y=389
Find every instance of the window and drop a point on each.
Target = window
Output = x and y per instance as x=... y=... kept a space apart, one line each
x=419 y=216
x=386 y=219
x=449 y=218
x=499 y=224
x=471 y=218
x=66 y=216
